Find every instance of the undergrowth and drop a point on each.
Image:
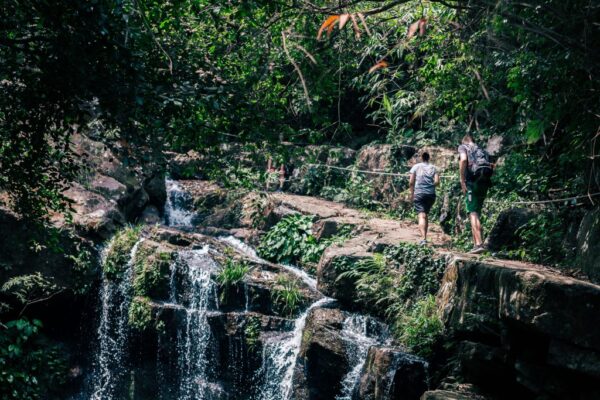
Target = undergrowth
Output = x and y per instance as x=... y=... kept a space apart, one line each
x=291 y=241
x=399 y=285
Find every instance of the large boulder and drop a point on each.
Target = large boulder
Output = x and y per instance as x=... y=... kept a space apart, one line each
x=322 y=361
x=588 y=245
x=505 y=232
x=518 y=317
x=390 y=373
x=94 y=215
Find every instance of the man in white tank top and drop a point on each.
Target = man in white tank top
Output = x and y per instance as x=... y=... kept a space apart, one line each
x=423 y=180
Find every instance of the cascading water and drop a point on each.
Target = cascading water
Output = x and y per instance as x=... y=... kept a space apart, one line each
x=251 y=253
x=195 y=338
x=177 y=206
x=109 y=369
x=279 y=358
x=358 y=336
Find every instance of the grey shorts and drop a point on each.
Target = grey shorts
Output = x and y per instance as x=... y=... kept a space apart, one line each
x=423 y=202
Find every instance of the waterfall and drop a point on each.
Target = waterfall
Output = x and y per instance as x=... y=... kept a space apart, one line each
x=178 y=206
x=279 y=359
x=109 y=370
x=251 y=253
x=194 y=339
x=358 y=337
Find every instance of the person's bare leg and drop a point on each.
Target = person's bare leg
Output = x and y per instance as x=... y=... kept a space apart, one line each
x=423 y=225
x=476 y=228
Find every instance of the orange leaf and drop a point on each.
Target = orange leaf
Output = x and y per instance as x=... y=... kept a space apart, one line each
x=355 y=26
x=380 y=64
x=328 y=24
x=343 y=19
x=364 y=23
x=422 y=25
x=412 y=29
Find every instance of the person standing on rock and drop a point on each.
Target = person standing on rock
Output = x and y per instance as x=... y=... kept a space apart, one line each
x=475 y=180
x=423 y=180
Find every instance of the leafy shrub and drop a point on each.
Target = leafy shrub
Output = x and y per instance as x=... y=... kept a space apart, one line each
x=291 y=241
x=119 y=249
x=399 y=285
x=230 y=276
x=420 y=327
x=82 y=265
x=286 y=296
x=140 y=313
x=30 y=368
x=24 y=288
x=288 y=239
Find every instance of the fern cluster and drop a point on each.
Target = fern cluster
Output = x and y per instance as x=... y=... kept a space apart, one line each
x=399 y=285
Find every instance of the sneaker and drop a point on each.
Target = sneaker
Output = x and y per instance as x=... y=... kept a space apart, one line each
x=423 y=242
x=477 y=250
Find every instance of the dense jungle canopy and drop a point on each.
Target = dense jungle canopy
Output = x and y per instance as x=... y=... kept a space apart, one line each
x=179 y=75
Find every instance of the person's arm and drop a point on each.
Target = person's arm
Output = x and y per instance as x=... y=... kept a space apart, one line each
x=411 y=185
x=436 y=179
x=463 y=164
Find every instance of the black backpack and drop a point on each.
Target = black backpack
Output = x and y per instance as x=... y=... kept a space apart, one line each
x=479 y=163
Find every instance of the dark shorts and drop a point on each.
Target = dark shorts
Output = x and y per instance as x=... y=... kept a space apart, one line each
x=476 y=193
x=423 y=202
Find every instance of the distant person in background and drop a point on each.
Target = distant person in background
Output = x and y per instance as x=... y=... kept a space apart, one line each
x=423 y=180
x=275 y=176
x=475 y=180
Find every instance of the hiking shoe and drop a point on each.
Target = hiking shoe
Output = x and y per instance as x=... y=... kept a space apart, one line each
x=423 y=242
x=477 y=250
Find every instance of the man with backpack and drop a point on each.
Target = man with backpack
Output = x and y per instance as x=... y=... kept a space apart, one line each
x=423 y=180
x=475 y=180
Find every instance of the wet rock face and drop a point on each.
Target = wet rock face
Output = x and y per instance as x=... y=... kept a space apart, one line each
x=322 y=362
x=535 y=330
x=390 y=373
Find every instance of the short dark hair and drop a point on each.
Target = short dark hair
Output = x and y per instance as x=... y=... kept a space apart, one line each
x=425 y=156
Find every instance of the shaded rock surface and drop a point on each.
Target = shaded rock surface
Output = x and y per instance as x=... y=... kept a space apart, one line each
x=516 y=317
x=588 y=245
x=390 y=373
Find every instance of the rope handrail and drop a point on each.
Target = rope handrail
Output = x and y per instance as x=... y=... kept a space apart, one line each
x=523 y=202
x=364 y=171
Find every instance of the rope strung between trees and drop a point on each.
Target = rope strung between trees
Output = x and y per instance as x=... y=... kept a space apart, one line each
x=524 y=202
x=563 y=200
x=364 y=171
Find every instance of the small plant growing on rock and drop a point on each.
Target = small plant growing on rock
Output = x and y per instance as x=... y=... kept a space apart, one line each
x=230 y=276
x=252 y=333
x=150 y=269
x=286 y=295
x=118 y=252
x=140 y=313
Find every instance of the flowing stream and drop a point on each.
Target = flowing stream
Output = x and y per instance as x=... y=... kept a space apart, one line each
x=359 y=335
x=110 y=367
x=279 y=358
x=178 y=206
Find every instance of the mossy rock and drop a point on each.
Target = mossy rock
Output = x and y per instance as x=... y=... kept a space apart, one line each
x=119 y=250
x=151 y=270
